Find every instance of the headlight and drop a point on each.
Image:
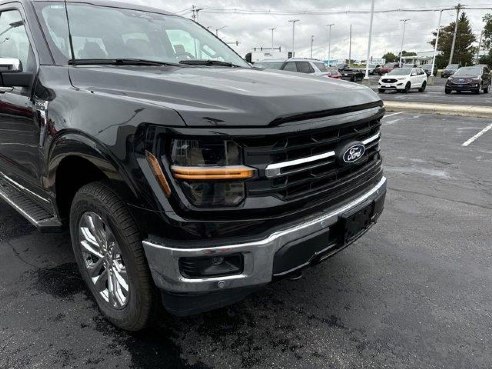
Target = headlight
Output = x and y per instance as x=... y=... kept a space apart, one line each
x=210 y=174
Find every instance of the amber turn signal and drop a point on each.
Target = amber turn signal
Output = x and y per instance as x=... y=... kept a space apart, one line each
x=212 y=173
x=158 y=173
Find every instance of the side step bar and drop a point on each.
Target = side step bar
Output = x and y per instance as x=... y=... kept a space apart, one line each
x=28 y=208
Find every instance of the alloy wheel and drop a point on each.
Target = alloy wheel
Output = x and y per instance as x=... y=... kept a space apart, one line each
x=103 y=260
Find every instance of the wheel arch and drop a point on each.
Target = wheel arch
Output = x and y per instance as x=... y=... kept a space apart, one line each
x=75 y=160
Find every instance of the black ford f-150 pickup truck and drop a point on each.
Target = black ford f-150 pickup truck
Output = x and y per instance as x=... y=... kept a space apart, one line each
x=185 y=176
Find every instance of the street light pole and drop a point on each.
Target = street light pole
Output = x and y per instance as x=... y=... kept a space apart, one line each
x=350 y=47
x=479 y=47
x=272 y=29
x=312 y=41
x=218 y=29
x=458 y=9
x=370 y=40
x=329 y=43
x=437 y=42
x=403 y=38
x=294 y=21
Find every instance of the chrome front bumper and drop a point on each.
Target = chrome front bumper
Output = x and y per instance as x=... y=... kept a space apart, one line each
x=258 y=256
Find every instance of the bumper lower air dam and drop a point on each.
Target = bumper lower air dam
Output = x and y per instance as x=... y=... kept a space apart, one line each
x=260 y=257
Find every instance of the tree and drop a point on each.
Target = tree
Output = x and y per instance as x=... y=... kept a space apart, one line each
x=390 y=57
x=408 y=53
x=487 y=32
x=487 y=40
x=464 y=50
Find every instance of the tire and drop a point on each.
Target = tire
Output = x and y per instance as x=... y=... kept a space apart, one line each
x=381 y=90
x=476 y=92
x=447 y=91
x=114 y=235
x=486 y=90
x=424 y=85
x=408 y=86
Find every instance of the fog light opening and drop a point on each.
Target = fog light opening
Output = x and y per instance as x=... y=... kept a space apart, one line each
x=213 y=266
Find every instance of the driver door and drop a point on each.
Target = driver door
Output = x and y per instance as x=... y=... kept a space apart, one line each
x=19 y=130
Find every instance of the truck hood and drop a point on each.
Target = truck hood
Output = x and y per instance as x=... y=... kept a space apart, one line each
x=226 y=97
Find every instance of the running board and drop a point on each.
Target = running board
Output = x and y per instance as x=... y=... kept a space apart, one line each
x=35 y=214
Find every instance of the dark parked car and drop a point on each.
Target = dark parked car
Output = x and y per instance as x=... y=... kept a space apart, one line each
x=450 y=70
x=185 y=176
x=472 y=79
x=429 y=70
x=349 y=73
x=388 y=68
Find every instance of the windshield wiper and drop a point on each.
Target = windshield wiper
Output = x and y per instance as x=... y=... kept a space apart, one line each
x=119 y=62
x=209 y=62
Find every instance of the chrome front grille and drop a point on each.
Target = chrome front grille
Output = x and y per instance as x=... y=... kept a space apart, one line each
x=307 y=164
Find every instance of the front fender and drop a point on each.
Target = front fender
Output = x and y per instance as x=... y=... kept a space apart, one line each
x=76 y=144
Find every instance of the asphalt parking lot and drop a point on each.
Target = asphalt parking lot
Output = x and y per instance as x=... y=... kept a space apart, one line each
x=414 y=293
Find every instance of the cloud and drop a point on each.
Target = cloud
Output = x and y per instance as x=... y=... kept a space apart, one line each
x=253 y=30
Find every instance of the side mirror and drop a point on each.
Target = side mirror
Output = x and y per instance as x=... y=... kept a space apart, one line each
x=12 y=75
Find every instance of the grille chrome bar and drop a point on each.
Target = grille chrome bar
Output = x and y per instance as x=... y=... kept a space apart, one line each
x=372 y=139
x=275 y=170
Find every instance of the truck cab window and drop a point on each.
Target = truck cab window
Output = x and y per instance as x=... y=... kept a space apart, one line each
x=14 y=42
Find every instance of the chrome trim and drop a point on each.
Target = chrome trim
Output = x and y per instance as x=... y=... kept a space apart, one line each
x=371 y=139
x=275 y=170
x=22 y=188
x=258 y=255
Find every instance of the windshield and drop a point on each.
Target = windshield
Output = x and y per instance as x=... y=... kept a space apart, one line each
x=400 y=72
x=100 y=32
x=321 y=67
x=269 y=65
x=469 y=71
x=452 y=66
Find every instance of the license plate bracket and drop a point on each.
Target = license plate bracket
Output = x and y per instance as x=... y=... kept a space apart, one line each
x=357 y=221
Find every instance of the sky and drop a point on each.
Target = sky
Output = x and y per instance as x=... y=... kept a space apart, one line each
x=252 y=30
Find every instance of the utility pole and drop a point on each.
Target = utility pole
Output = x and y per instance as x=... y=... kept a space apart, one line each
x=458 y=9
x=437 y=42
x=312 y=41
x=329 y=43
x=403 y=38
x=294 y=21
x=195 y=11
x=370 y=40
x=272 y=29
x=350 y=47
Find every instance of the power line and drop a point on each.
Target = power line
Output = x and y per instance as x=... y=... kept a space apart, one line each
x=328 y=12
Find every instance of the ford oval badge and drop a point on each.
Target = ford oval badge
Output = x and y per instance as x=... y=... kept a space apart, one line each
x=354 y=153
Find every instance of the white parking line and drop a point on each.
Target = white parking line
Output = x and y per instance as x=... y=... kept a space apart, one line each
x=393 y=114
x=478 y=135
x=389 y=123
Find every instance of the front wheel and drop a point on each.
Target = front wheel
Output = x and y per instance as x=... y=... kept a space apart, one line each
x=408 y=86
x=447 y=91
x=424 y=85
x=109 y=253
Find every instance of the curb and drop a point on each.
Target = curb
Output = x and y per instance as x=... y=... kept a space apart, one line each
x=445 y=109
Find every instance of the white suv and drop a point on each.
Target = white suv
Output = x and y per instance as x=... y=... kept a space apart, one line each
x=403 y=79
